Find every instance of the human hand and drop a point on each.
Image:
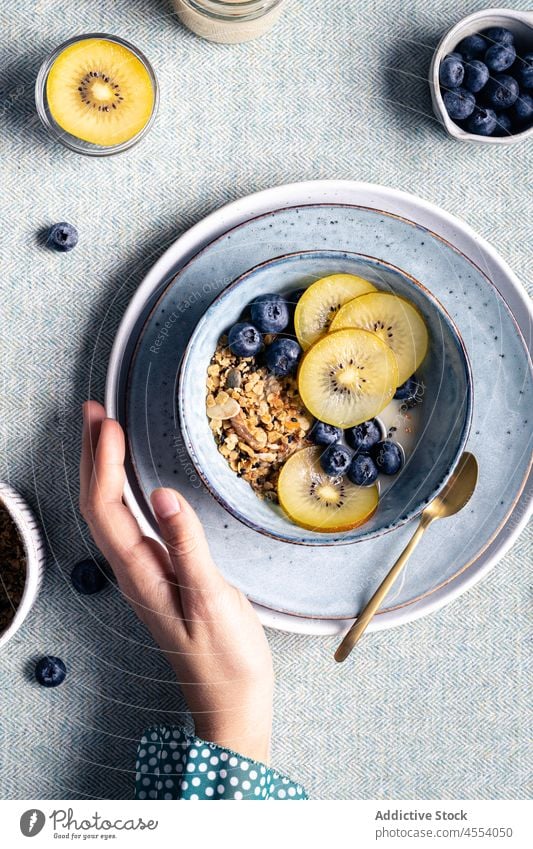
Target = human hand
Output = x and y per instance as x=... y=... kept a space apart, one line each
x=207 y=629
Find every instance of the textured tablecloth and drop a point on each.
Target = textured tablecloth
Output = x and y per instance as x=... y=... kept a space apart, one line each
x=433 y=709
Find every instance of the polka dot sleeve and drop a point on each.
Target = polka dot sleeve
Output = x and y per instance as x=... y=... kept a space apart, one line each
x=172 y=764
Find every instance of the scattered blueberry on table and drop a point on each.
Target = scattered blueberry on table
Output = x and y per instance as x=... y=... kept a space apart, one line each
x=484 y=84
x=88 y=577
x=62 y=236
x=50 y=671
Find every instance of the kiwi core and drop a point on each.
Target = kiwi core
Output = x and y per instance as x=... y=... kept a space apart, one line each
x=347 y=378
x=99 y=92
x=328 y=494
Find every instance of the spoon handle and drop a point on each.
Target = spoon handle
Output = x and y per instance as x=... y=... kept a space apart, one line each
x=360 y=625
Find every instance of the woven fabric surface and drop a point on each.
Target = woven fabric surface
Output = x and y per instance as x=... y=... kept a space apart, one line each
x=435 y=709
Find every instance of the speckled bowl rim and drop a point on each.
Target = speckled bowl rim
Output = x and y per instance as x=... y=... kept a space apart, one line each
x=387 y=617
x=321 y=539
x=450 y=40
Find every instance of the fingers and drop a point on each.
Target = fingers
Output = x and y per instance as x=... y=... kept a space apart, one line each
x=108 y=473
x=187 y=546
x=135 y=561
x=93 y=416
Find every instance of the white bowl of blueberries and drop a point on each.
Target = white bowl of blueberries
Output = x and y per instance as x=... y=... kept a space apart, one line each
x=481 y=77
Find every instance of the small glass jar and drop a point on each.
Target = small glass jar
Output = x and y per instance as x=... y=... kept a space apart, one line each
x=229 y=21
x=73 y=142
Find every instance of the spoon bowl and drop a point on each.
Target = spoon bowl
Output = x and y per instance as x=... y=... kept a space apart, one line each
x=455 y=495
x=457 y=492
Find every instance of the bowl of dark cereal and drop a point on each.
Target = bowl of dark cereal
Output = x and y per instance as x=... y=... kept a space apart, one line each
x=21 y=561
x=325 y=397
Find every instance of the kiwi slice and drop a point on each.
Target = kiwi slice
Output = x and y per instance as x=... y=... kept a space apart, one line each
x=320 y=303
x=347 y=377
x=320 y=503
x=396 y=321
x=100 y=92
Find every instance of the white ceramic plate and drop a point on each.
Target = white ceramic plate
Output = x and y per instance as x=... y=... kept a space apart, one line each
x=373 y=197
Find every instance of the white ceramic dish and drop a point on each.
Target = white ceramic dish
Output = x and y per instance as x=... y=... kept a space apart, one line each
x=373 y=197
x=32 y=540
x=520 y=23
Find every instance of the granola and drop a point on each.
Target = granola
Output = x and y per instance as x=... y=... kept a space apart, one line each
x=13 y=569
x=258 y=420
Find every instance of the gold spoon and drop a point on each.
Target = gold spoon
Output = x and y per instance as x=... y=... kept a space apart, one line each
x=453 y=498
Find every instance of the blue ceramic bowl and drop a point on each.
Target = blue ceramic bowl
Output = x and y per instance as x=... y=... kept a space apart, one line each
x=433 y=435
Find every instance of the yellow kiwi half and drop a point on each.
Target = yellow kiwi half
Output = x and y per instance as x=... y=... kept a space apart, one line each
x=320 y=503
x=99 y=91
x=321 y=301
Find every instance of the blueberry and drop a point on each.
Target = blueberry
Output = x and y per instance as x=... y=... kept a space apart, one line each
x=451 y=72
x=459 y=103
x=504 y=125
x=476 y=75
x=362 y=470
x=50 y=671
x=388 y=457
x=498 y=35
x=281 y=357
x=524 y=70
x=294 y=296
x=364 y=436
x=472 y=47
x=408 y=391
x=482 y=121
x=244 y=340
x=62 y=236
x=335 y=460
x=499 y=57
x=523 y=108
x=88 y=577
x=292 y=300
x=501 y=91
x=270 y=313
x=324 y=434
